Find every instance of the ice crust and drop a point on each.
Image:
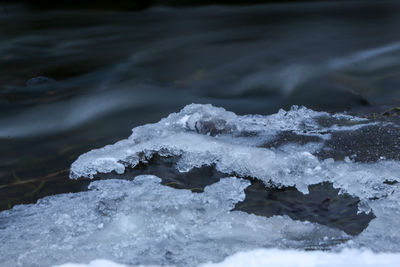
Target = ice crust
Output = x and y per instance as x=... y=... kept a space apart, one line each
x=144 y=222
x=196 y=130
x=205 y=135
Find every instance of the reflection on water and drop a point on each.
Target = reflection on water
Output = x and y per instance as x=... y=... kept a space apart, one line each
x=109 y=72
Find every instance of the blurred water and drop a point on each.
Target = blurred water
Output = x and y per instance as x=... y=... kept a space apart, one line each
x=112 y=71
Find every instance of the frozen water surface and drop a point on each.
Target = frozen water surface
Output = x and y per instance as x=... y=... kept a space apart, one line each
x=144 y=222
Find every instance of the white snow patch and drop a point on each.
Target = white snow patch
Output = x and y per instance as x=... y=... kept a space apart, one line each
x=289 y=258
x=295 y=258
x=95 y=263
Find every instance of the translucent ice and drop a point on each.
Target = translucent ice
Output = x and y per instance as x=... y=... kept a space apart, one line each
x=237 y=145
x=205 y=135
x=143 y=222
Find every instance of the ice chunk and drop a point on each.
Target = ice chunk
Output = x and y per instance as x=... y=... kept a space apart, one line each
x=174 y=133
x=205 y=135
x=208 y=135
x=144 y=222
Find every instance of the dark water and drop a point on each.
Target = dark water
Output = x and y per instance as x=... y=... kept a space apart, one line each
x=104 y=73
x=323 y=204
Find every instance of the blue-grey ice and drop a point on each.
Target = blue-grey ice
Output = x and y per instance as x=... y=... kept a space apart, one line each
x=143 y=222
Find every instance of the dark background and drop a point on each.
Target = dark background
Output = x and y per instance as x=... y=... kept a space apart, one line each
x=140 y=4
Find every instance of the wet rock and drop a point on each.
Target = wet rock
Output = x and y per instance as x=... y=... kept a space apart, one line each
x=367 y=144
x=287 y=137
x=39 y=81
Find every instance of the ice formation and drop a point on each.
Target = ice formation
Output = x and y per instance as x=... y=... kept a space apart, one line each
x=144 y=222
x=205 y=135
